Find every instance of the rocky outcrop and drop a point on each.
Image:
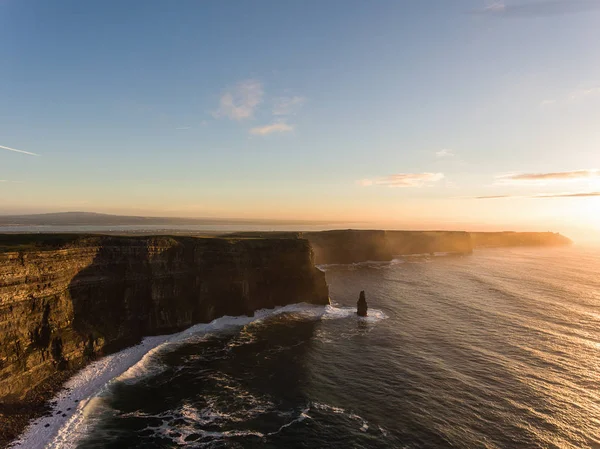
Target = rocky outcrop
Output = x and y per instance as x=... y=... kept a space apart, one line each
x=64 y=302
x=361 y=304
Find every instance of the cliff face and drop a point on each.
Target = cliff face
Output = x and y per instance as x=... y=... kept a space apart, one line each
x=351 y=246
x=425 y=242
x=507 y=239
x=348 y=246
x=63 y=306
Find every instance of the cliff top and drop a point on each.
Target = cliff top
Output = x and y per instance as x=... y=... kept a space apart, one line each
x=12 y=242
x=47 y=242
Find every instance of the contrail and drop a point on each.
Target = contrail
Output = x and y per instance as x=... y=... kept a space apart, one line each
x=18 y=151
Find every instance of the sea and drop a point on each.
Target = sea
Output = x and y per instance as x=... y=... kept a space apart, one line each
x=498 y=349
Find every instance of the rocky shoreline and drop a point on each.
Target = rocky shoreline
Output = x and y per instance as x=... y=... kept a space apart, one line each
x=16 y=416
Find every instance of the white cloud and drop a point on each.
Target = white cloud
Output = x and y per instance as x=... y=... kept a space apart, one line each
x=403 y=180
x=183 y=127
x=18 y=151
x=495 y=7
x=546 y=103
x=272 y=128
x=240 y=102
x=444 y=153
x=287 y=105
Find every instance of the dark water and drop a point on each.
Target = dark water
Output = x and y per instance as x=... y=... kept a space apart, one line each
x=496 y=350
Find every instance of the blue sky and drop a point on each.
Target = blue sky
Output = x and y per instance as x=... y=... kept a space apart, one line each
x=403 y=112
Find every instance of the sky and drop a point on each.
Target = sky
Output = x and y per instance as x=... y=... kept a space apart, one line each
x=416 y=114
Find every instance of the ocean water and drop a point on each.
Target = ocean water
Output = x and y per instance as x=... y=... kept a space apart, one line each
x=500 y=349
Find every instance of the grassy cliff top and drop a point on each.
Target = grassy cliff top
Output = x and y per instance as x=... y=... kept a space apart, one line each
x=53 y=241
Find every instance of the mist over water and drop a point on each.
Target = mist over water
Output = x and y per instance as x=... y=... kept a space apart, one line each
x=495 y=350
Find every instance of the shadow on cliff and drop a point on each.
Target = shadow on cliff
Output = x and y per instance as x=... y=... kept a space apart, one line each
x=116 y=300
x=135 y=287
x=158 y=285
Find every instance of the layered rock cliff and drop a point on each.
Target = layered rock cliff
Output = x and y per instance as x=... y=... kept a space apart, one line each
x=426 y=242
x=65 y=301
x=349 y=246
x=508 y=239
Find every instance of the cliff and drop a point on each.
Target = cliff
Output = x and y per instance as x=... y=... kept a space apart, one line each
x=349 y=246
x=65 y=300
x=508 y=239
x=426 y=242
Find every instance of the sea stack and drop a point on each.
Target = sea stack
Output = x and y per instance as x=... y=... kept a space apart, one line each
x=361 y=305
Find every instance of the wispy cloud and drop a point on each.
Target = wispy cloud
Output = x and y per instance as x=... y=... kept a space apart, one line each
x=568 y=195
x=584 y=94
x=542 y=195
x=528 y=178
x=403 y=180
x=540 y=8
x=272 y=128
x=240 y=102
x=573 y=97
x=493 y=197
x=495 y=7
x=19 y=151
x=287 y=105
x=181 y=128
x=444 y=153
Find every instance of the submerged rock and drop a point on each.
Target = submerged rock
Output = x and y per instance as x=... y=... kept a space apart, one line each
x=361 y=305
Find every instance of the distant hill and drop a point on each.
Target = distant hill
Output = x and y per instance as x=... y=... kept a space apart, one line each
x=95 y=219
